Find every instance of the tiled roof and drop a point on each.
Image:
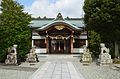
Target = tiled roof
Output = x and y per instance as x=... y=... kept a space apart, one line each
x=60 y=21
x=42 y=23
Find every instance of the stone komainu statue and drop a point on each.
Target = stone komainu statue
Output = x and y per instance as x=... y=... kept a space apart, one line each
x=104 y=49
x=12 y=55
x=86 y=56
x=32 y=57
x=104 y=57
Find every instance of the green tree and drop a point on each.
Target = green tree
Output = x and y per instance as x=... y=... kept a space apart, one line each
x=103 y=16
x=94 y=41
x=14 y=28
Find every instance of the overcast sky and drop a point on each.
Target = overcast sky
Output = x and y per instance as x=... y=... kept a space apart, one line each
x=50 y=8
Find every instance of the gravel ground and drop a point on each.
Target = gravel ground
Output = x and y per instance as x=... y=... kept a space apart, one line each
x=23 y=71
x=15 y=74
x=94 y=71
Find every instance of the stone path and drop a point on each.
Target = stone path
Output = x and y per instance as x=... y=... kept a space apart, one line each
x=57 y=70
x=53 y=66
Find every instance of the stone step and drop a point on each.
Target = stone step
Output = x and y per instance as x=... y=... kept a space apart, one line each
x=58 y=55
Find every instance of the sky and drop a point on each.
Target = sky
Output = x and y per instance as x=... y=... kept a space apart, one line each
x=50 y=8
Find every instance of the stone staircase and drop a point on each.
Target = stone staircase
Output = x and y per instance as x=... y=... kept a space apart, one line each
x=55 y=57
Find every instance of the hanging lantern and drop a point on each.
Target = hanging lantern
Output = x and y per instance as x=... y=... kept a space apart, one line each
x=45 y=40
x=46 y=35
x=64 y=47
x=54 y=47
x=59 y=46
x=73 y=40
x=71 y=35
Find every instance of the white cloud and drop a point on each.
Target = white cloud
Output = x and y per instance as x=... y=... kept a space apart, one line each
x=0 y=1
x=71 y=8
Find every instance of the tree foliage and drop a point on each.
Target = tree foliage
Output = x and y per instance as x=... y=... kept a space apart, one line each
x=14 y=28
x=94 y=40
x=103 y=16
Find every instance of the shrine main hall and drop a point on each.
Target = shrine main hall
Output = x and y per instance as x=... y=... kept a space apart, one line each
x=58 y=35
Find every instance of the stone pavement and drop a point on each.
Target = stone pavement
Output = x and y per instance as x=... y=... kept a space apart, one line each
x=57 y=70
x=59 y=57
x=58 y=64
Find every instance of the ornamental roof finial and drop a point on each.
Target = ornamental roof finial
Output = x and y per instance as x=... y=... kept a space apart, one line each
x=59 y=17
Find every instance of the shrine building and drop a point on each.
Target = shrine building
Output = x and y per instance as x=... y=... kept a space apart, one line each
x=58 y=35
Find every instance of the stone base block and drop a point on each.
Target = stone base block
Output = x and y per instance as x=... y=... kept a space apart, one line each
x=105 y=62
x=86 y=58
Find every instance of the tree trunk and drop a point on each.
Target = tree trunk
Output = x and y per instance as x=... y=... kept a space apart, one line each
x=116 y=49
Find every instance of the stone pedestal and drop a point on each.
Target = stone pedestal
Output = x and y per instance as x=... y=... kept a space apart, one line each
x=31 y=58
x=86 y=58
x=116 y=60
x=105 y=59
x=12 y=56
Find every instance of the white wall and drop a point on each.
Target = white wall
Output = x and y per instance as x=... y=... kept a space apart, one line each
x=38 y=37
x=41 y=50
x=77 y=50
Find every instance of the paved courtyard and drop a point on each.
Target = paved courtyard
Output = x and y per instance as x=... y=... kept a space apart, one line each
x=59 y=67
x=57 y=70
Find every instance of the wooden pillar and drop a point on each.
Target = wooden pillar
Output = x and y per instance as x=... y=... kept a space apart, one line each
x=64 y=45
x=47 y=43
x=72 y=42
